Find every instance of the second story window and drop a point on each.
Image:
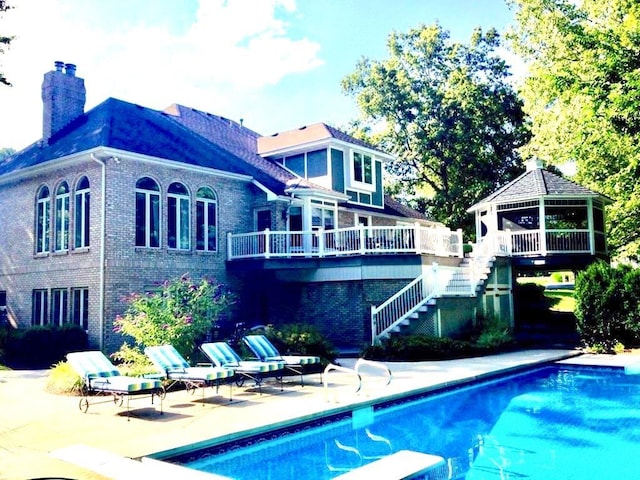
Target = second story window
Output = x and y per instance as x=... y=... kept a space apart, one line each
x=61 y=233
x=362 y=168
x=81 y=211
x=178 y=217
x=43 y=207
x=206 y=220
x=147 y=213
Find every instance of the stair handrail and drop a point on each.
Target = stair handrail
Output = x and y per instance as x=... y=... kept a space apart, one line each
x=332 y=367
x=381 y=366
x=399 y=306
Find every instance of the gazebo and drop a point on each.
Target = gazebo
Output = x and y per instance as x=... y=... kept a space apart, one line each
x=543 y=222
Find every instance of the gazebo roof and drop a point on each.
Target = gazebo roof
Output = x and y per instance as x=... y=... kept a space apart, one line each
x=536 y=183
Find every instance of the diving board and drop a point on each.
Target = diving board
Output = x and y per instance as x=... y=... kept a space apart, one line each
x=402 y=465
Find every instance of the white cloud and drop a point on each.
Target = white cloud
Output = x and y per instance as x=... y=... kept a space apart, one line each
x=232 y=49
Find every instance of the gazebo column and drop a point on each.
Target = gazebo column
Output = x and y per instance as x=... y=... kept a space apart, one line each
x=543 y=227
x=591 y=226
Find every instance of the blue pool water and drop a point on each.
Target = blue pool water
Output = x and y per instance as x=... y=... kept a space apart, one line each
x=551 y=423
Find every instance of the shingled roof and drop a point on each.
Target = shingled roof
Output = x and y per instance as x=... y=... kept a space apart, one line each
x=533 y=184
x=186 y=135
x=308 y=134
x=126 y=126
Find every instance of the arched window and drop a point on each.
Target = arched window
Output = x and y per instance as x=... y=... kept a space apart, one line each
x=147 y=213
x=206 y=219
x=43 y=209
x=178 y=217
x=61 y=233
x=81 y=210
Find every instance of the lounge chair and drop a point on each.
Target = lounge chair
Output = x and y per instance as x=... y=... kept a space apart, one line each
x=101 y=377
x=265 y=351
x=222 y=355
x=176 y=370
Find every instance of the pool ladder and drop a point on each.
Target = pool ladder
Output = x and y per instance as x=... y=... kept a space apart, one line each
x=354 y=373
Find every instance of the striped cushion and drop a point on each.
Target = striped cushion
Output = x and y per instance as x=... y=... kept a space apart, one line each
x=223 y=355
x=300 y=359
x=166 y=358
x=123 y=384
x=252 y=366
x=99 y=373
x=262 y=347
x=202 y=373
x=92 y=365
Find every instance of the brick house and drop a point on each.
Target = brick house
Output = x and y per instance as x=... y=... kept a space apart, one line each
x=116 y=199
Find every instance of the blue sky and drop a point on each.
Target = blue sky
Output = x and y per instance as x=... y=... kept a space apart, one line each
x=277 y=64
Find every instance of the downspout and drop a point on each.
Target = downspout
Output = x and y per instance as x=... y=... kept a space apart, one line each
x=103 y=219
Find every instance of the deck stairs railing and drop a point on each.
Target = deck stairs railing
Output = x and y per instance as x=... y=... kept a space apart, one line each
x=421 y=293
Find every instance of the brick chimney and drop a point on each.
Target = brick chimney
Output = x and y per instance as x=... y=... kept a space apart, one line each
x=63 y=96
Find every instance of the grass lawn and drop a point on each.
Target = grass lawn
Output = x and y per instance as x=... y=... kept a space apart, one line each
x=561 y=300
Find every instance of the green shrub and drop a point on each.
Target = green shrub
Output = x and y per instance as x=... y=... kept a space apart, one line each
x=607 y=306
x=412 y=348
x=301 y=339
x=43 y=346
x=181 y=313
x=494 y=334
x=63 y=380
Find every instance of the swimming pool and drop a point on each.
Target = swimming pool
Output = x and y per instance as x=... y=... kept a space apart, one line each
x=555 y=422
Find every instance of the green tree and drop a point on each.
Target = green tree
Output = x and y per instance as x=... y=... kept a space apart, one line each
x=180 y=313
x=6 y=152
x=5 y=41
x=583 y=97
x=448 y=114
x=607 y=305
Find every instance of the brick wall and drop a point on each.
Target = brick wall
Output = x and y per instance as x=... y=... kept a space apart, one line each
x=127 y=268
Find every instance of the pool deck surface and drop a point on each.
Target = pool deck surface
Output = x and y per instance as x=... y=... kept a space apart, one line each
x=39 y=429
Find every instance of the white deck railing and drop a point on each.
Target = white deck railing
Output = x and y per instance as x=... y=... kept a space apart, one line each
x=346 y=241
x=533 y=242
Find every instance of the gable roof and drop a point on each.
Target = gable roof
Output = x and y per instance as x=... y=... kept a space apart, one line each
x=236 y=139
x=308 y=134
x=185 y=135
x=536 y=183
x=125 y=126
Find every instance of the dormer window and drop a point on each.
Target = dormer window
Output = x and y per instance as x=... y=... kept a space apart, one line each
x=362 y=168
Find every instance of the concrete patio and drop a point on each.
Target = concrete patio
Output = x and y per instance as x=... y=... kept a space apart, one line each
x=36 y=426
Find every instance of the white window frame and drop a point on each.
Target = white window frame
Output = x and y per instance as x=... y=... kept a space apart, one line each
x=59 y=306
x=149 y=195
x=82 y=212
x=80 y=312
x=40 y=316
x=182 y=229
x=43 y=223
x=362 y=183
x=207 y=224
x=61 y=218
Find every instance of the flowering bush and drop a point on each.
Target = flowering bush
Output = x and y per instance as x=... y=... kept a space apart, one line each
x=180 y=313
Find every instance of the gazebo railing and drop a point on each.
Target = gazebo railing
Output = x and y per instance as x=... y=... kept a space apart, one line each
x=534 y=242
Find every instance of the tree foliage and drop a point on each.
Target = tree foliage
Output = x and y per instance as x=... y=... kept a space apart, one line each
x=448 y=114
x=6 y=152
x=179 y=313
x=583 y=97
x=5 y=41
x=607 y=306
